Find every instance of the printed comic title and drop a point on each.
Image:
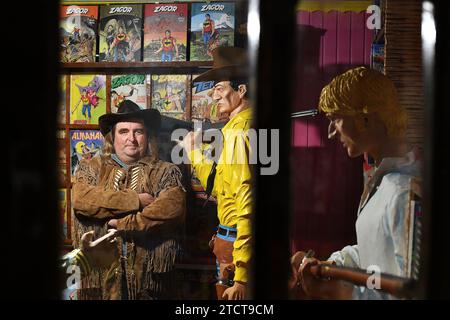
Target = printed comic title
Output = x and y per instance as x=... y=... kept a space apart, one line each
x=120 y=10
x=75 y=10
x=165 y=9
x=202 y=86
x=213 y=7
x=89 y=135
x=132 y=79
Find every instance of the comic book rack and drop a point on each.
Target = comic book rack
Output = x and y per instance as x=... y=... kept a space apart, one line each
x=110 y=69
x=198 y=268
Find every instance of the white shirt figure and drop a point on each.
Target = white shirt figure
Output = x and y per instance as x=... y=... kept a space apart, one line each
x=382 y=226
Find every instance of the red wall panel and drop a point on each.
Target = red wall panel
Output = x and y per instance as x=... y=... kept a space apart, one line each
x=326 y=183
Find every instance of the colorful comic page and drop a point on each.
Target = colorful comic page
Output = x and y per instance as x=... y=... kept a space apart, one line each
x=169 y=95
x=165 y=32
x=128 y=87
x=378 y=57
x=212 y=26
x=87 y=98
x=84 y=144
x=203 y=106
x=120 y=33
x=78 y=33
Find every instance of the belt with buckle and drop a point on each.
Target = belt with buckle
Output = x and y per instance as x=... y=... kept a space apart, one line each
x=227 y=232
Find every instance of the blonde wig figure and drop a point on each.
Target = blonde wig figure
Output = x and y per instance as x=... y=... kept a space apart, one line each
x=361 y=91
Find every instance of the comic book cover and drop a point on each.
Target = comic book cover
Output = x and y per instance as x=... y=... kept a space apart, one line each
x=84 y=144
x=62 y=100
x=378 y=57
x=78 y=33
x=120 y=36
x=165 y=32
x=128 y=87
x=203 y=106
x=212 y=26
x=169 y=95
x=62 y=206
x=87 y=98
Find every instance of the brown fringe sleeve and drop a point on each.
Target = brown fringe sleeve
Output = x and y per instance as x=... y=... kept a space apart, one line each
x=87 y=173
x=170 y=177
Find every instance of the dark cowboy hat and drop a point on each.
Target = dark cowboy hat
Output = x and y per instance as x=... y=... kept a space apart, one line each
x=228 y=63
x=128 y=110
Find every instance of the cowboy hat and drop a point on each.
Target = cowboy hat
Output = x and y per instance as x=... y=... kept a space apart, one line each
x=128 y=110
x=228 y=63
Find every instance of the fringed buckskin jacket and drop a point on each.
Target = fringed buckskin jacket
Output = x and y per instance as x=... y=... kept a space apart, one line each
x=106 y=189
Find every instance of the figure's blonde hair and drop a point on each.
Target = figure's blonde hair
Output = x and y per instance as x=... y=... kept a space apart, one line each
x=362 y=91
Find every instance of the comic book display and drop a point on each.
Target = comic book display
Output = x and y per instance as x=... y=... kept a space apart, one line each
x=84 y=144
x=141 y=52
x=378 y=56
x=87 y=98
x=78 y=33
x=169 y=95
x=128 y=87
x=120 y=33
x=165 y=32
x=203 y=106
x=212 y=26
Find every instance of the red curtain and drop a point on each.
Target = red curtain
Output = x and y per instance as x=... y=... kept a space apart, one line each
x=326 y=183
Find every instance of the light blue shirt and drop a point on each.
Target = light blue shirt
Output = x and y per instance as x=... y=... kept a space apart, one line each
x=382 y=226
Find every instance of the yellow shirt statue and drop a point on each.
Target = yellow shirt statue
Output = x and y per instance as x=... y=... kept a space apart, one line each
x=232 y=186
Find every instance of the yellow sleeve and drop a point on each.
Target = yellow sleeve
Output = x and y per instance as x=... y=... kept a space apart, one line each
x=201 y=165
